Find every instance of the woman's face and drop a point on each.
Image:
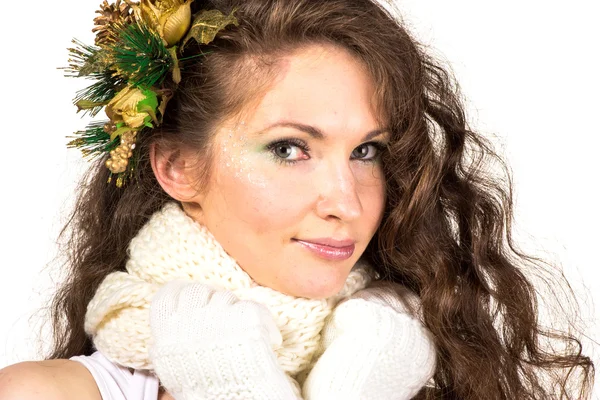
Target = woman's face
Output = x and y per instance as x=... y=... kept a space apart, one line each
x=297 y=191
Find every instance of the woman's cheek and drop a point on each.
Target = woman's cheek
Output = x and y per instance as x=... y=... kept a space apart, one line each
x=368 y=174
x=370 y=184
x=271 y=196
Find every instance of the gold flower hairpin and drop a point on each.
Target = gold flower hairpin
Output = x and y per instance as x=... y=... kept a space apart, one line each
x=137 y=48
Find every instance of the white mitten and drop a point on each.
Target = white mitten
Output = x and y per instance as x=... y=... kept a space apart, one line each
x=374 y=349
x=210 y=345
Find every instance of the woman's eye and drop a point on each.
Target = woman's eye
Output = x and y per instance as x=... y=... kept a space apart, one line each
x=285 y=150
x=288 y=151
x=367 y=151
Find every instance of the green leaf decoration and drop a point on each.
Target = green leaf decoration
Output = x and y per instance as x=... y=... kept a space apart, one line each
x=148 y=121
x=140 y=56
x=165 y=96
x=149 y=106
x=94 y=140
x=176 y=73
x=150 y=102
x=121 y=129
x=87 y=105
x=207 y=24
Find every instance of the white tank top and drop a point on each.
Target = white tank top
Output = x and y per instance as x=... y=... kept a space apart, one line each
x=118 y=383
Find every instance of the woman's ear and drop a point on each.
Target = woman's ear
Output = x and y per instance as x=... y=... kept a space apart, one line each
x=173 y=172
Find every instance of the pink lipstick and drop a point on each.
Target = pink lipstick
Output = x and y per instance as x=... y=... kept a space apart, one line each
x=329 y=249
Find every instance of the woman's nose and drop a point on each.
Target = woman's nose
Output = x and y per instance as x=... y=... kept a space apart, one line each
x=338 y=195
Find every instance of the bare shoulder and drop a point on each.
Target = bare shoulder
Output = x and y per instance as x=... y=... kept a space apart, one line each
x=51 y=380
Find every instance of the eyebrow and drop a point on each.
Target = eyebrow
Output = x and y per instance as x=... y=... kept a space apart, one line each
x=315 y=132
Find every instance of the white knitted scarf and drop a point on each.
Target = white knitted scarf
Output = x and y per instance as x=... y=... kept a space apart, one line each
x=173 y=246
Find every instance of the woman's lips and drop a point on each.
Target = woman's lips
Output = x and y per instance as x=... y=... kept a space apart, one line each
x=329 y=249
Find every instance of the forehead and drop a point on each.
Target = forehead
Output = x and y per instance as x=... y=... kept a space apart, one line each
x=321 y=85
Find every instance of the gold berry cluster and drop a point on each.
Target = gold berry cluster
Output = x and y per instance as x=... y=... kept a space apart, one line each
x=119 y=157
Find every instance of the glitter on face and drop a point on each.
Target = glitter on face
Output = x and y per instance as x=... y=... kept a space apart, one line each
x=235 y=149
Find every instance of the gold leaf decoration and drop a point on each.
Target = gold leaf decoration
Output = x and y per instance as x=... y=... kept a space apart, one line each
x=171 y=19
x=207 y=24
x=176 y=24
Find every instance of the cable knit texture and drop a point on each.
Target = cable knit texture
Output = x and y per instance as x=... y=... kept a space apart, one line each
x=371 y=349
x=171 y=246
x=210 y=345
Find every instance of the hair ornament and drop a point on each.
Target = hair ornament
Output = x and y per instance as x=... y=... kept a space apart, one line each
x=135 y=65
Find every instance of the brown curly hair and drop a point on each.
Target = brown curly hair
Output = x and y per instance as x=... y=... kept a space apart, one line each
x=446 y=230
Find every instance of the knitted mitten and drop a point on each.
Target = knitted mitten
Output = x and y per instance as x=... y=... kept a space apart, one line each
x=210 y=345
x=374 y=349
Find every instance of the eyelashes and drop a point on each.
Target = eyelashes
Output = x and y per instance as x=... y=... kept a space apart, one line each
x=374 y=150
x=289 y=151
x=292 y=150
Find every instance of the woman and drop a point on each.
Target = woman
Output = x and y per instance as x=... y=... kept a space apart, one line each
x=313 y=141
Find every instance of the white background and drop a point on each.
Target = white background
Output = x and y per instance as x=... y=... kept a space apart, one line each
x=529 y=70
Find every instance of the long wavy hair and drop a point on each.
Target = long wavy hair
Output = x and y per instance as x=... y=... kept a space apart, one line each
x=446 y=230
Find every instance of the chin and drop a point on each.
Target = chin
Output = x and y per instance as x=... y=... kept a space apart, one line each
x=317 y=288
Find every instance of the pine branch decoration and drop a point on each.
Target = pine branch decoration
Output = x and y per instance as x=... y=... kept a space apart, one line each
x=94 y=97
x=140 y=56
x=94 y=140
x=93 y=63
x=85 y=60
